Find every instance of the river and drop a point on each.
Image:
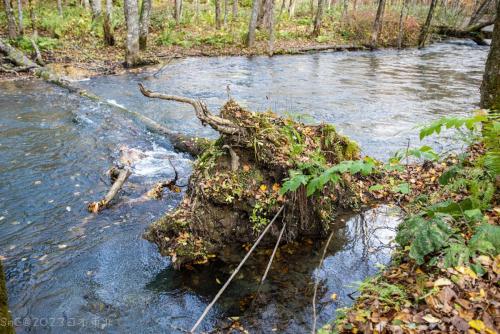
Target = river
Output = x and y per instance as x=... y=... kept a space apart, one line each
x=69 y=271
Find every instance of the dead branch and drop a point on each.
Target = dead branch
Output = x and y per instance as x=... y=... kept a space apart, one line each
x=38 y=55
x=157 y=191
x=235 y=159
x=219 y=124
x=95 y=207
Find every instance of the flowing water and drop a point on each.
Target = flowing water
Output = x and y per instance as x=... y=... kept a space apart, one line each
x=68 y=271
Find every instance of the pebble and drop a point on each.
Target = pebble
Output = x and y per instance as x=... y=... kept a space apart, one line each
x=68 y=208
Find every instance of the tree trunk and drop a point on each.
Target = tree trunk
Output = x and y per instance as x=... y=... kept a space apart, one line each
x=226 y=11
x=59 y=7
x=402 y=19
x=11 y=21
x=271 y=29
x=479 y=13
x=86 y=4
x=132 y=19
x=253 y=23
x=291 y=8
x=490 y=88
x=345 y=8
x=20 y=17
x=235 y=9
x=425 y=28
x=264 y=14
x=109 y=36
x=354 y=5
x=31 y=5
x=196 y=9
x=218 y=21
x=377 y=25
x=318 y=18
x=96 y=9
x=144 y=24
x=178 y=11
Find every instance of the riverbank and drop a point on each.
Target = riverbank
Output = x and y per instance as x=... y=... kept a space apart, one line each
x=445 y=271
x=75 y=46
x=5 y=317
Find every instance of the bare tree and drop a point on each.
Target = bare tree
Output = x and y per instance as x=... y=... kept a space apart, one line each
x=490 y=88
x=271 y=29
x=226 y=11
x=425 y=28
x=266 y=7
x=291 y=8
x=345 y=8
x=480 y=11
x=20 y=17
x=402 y=19
x=178 y=11
x=59 y=7
x=218 y=21
x=377 y=25
x=252 y=26
x=318 y=18
x=132 y=18
x=11 y=21
x=196 y=8
x=86 y=4
x=235 y=9
x=109 y=36
x=31 y=5
x=144 y=23
x=96 y=6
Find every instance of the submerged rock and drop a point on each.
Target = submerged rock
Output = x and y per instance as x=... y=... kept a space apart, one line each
x=234 y=190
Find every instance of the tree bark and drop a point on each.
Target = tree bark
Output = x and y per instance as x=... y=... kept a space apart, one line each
x=377 y=25
x=490 y=88
x=345 y=8
x=144 y=24
x=291 y=8
x=402 y=19
x=253 y=23
x=86 y=4
x=479 y=13
x=226 y=11
x=318 y=19
x=20 y=17
x=132 y=20
x=31 y=5
x=109 y=36
x=178 y=11
x=218 y=21
x=264 y=14
x=424 y=32
x=96 y=9
x=271 y=29
x=11 y=21
x=235 y=9
x=59 y=7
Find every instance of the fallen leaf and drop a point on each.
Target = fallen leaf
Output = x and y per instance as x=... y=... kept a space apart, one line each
x=442 y=282
x=431 y=319
x=333 y=296
x=477 y=325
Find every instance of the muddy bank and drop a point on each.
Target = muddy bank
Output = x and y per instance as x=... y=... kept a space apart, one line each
x=5 y=317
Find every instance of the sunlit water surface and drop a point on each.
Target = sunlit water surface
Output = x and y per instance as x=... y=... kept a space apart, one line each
x=68 y=271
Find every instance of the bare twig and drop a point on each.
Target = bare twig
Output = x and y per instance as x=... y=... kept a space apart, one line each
x=317 y=282
x=95 y=207
x=207 y=309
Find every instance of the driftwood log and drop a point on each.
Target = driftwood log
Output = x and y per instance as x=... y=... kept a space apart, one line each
x=473 y=32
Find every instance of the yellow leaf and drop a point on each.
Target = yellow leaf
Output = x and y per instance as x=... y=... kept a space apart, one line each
x=431 y=319
x=477 y=325
x=442 y=282
x=263 y=187
x=333 y=296
x=246 y=168
x=276 y=187
x=217 y=280
x=466 y=271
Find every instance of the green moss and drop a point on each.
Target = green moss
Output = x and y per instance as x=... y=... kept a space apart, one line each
x=5 y=318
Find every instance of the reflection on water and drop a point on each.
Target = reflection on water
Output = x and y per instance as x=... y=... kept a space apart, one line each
x=69 y=271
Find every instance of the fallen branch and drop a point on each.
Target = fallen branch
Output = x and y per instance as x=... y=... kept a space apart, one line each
x=207 y=309
x=317 y=283
x=39 y=58
x=473 y=32
x=123 y=175
x=157 y=191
